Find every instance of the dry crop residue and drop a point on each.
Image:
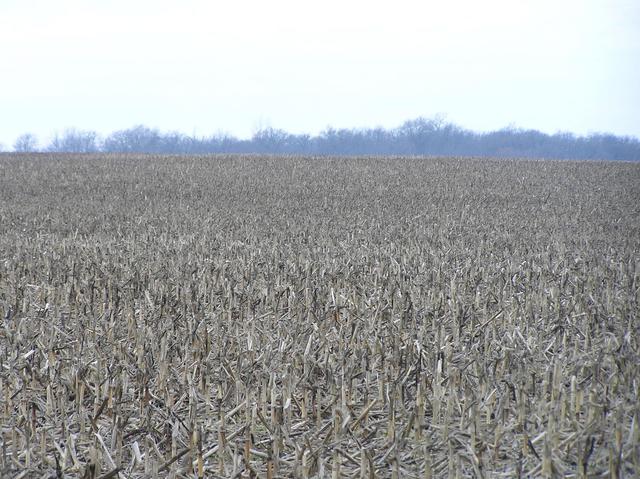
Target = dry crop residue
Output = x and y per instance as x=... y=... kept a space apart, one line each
x=306 y=317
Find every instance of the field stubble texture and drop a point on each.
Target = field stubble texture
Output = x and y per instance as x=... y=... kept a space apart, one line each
x=289 y=317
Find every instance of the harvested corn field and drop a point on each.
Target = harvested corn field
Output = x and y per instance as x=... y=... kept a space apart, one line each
x=291 y=317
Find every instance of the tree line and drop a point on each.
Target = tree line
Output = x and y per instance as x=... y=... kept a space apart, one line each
x=420 y=136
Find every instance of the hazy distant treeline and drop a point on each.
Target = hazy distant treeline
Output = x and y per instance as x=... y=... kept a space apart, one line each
x=421 y=136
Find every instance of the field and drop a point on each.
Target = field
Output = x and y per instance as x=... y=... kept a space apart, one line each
x=291 y=317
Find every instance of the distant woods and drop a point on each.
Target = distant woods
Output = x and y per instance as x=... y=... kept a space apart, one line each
x=421 y=136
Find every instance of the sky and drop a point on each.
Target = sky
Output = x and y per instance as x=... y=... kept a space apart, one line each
x=205 y=67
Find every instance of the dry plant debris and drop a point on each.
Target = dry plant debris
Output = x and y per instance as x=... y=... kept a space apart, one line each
x=313 y=317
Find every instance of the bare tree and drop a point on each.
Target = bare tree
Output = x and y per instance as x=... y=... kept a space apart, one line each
x=138 y=139
x=75 y=141
x=25 y=143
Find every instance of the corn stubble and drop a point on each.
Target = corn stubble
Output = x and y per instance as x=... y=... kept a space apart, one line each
x=289 y=317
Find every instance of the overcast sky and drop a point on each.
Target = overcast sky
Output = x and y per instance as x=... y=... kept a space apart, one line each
x=206 y=66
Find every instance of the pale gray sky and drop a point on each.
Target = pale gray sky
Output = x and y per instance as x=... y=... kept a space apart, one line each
x=206 y=66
